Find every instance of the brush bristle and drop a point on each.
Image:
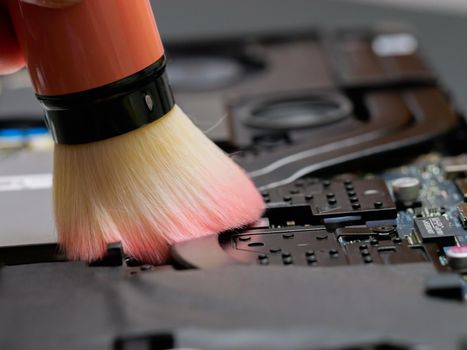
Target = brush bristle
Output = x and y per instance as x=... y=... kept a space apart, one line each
x=160 y=184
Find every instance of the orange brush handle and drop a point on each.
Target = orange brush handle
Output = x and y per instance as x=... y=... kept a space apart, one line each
x=87 y=45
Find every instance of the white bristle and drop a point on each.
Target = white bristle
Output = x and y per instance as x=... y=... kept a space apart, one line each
x=163 y=183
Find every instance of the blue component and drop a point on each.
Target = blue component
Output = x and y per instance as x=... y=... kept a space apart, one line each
x=12 y=135
x=11 y=132
x=17 y=135
x=36 y=131
x=342 y=219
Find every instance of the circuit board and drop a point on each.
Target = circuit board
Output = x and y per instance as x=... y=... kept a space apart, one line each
x=439 y=195
x=405 y=214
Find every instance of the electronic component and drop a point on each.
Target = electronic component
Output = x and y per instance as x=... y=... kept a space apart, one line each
x=397 y=251
x=364 y=233
x=368 y=198
x=462 y=209
x=286 y=247
x=344 y=220
x=406 y=189
x=457 y=257
x=455 y=166
x=315 y=246
x=462 y=187
x=362 y=199
x=435 y=229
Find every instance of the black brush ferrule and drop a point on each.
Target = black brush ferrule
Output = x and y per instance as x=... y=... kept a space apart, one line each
x=111 y=110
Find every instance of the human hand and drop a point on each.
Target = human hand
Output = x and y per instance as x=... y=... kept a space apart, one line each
x=11 y=58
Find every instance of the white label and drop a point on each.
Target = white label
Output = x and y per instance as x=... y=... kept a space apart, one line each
x=438 y=226
x=25 y=182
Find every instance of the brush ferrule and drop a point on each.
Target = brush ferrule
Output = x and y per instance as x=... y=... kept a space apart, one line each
x=110 y=110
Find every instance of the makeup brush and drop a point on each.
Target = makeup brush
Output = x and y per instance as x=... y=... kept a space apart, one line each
x=129 y=165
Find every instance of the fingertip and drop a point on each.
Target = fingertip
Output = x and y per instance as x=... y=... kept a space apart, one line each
x=11 y=57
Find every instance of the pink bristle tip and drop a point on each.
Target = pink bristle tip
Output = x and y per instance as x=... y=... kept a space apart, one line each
x=160 y=184
x=235 y=205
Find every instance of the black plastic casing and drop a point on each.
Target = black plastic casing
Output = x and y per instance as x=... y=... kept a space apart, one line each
x=110 y=110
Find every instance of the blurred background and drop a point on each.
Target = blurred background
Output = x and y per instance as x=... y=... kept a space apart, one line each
x=446 y=5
